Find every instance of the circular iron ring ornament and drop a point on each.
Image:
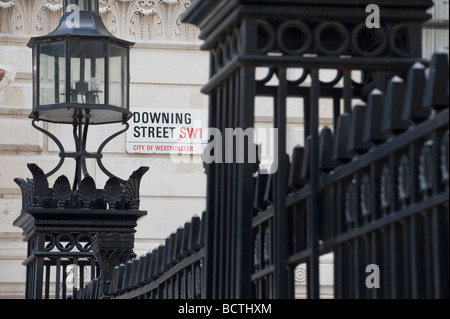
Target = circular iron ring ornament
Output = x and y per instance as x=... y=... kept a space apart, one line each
x=305 y=39
x=266 y=37
x=84 y=242
x=267 y=77
x=301 y=79
x=399 y=39
x=334 y=81
x=331 y=43
x=50 y=242
x=369 y=42
x=62 y=238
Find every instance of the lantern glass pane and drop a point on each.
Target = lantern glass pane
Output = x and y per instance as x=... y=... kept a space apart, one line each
x=52 y=73
x=35 y=83
x=87 y=72
x=118 y=76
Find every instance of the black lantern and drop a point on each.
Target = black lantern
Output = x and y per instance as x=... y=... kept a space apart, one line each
x=80 y=68
x=80 y=77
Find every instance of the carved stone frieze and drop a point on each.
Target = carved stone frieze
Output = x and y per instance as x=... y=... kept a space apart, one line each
x=135 y=20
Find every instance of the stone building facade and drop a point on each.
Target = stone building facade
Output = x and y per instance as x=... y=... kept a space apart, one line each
x=167 y=71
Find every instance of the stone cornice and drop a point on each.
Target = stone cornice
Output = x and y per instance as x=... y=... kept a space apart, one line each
x=146 y=21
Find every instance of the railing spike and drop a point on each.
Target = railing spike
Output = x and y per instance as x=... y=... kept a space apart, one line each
x=261 y=179
x=143 y=264
x=160 y=260
x=356 y=141
x=195 y=234
x=326 y=142
x=413 y=107
x=296 y=168
x=202 y=232
x=374 y=117
x=114 y=280
x=153 y=265
x=127 y=275
x=167 y=261
x=436 y=93
x=184 y=249
x=340 y=149
x=120 y=278
x=94 y=292
x=304 y=176
x=268 y=191
x=393 y=108
x=177 y=252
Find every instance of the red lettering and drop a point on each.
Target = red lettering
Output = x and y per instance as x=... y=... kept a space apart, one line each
x=183 y=132
x=191 y=132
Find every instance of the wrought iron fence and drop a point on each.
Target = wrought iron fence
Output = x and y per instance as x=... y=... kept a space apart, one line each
x=384 y=181
x=171 y=271
x=384 y=191
x=372 y=188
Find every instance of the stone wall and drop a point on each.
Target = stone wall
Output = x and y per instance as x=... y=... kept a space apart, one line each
x=167 y=71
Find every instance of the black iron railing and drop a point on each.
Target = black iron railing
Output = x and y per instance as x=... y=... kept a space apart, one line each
x=372 y=188
x=171 y=271
x=384 y=190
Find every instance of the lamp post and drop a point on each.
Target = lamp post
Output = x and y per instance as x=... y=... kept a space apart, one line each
x=80 y=78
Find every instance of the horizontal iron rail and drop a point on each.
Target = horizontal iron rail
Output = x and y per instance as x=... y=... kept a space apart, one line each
x=299 y=257
x=55 y=255
x=386 y=220
x=263 y=216
x=437 y=121
x=363 y=63
x=263 y=272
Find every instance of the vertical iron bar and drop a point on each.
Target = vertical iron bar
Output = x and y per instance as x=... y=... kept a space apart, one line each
x=437 y=253
x=47 y=281
x=211 y=204
x=234 y=231
x=39 y=270
x=280 y=188
x=313 y=272
x=228 y=111
x=394 y=260
x=336 y=111
x=347 y=90
x=427 y=254
x=222 y=239
x=357 y=271
x=218 y=207
x=76 y=268
x=64 y=281
x=93 y=269
x=245 y=191
x=373 y=250
x=337 y=274
x=306 y=117
x=57 y=277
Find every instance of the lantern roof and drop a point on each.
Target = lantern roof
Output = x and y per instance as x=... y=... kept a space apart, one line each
x=81 y=24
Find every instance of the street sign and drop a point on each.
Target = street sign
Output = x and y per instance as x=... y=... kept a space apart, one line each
x=165 y=131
